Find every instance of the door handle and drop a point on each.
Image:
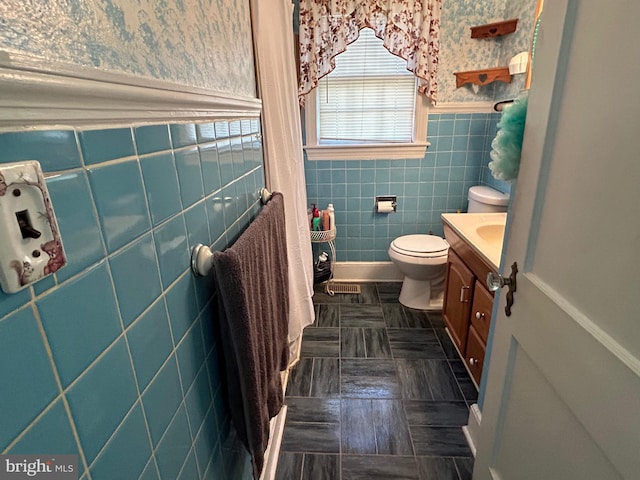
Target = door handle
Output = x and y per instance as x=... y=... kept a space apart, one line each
x=496 y=281
x=462 y=295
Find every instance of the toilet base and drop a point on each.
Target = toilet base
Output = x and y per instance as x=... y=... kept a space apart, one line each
x=418 y=294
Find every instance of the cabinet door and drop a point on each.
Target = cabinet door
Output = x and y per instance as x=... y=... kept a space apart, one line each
x=474 y=358
x=457 y=302
x=481 y=310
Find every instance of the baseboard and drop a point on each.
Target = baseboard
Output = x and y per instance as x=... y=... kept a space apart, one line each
x=472 y=429
x=466 y=366
x=366 y=272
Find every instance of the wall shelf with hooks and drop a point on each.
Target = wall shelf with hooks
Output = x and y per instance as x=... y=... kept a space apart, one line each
x=488 y=75
x=492 y=30
x=483 y=77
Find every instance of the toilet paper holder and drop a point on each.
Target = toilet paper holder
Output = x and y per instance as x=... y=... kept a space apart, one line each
x=386 y=203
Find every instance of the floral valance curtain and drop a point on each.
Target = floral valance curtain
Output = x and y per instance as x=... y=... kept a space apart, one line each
x=408 y=28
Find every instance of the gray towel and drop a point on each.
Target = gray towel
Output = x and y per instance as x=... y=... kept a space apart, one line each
x=253 y=286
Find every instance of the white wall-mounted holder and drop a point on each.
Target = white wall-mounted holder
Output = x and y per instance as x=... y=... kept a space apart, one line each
x=518 y=63
x=30 y=243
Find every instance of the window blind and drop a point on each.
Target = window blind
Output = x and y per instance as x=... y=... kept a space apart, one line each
x=368 y=98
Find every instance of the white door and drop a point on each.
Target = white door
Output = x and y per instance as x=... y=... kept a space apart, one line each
x=563 y=389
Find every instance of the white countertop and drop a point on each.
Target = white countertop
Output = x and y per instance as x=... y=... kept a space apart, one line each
x=484 y=232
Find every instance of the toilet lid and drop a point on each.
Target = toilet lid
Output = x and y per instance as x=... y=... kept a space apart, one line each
x=420 y=245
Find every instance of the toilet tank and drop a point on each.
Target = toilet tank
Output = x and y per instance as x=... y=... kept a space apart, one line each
x=484 y=199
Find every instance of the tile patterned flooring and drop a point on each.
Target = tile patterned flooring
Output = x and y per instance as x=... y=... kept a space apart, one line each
x=379 y=393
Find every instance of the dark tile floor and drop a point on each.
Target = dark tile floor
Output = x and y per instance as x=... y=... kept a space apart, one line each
x=379 y=393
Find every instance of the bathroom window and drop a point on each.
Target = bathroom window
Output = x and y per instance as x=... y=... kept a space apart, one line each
x=367 y=108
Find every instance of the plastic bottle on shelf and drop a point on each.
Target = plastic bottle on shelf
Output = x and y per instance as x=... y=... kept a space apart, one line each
x=314 y=214
x=332 y=217
x=326 y=221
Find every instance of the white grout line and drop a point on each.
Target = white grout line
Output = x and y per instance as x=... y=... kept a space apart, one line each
x=109 y=163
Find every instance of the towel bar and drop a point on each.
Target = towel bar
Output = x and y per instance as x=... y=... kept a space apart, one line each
x=265 y=195
x=201 y=260
x=202 y=256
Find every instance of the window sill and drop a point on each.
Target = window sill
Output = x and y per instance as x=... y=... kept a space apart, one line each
x=388 y=151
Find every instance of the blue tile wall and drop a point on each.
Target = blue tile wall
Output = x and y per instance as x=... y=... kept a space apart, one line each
x=134 y=270
x=190 y=175
x=52 y=429
x=27 y=369
x=152 y=138
x=116 y=356
x=58 y=149
x=425 y=187
x=106 y=144
x=120 y=200
x=184 y=134
x=161 y=182
x=173 y=250
x=175 y=445
x=79 y=227
x=150 y=342
x=150 y=472
x=162 y=399
x=126 y=452
x=80 y=319
x=111 y=373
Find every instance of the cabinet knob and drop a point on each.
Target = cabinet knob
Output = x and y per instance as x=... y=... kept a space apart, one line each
x=479 y=315
x=473 y=361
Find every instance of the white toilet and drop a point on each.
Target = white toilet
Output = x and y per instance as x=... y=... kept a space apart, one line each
x=484 y=199
x=422 y=259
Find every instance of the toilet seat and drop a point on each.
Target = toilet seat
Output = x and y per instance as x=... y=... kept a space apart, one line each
x=421 y=246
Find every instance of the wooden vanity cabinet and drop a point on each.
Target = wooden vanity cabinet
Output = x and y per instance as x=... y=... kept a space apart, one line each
x=474 y=356
x=457 y=300
x=467 y=302
x=481 y=310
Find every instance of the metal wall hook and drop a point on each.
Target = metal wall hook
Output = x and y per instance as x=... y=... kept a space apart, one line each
x=495 y=281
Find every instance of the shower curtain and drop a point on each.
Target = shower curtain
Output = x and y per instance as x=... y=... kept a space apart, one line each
x=282 y=134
